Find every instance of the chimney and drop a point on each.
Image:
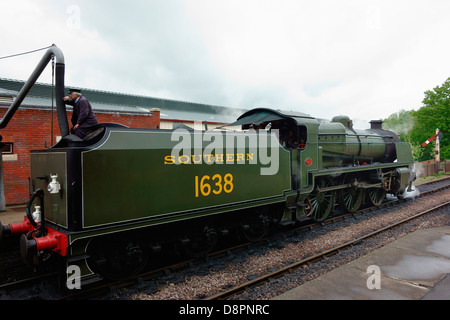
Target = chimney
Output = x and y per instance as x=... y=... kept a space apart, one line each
x=376 y=124
x=156 y=118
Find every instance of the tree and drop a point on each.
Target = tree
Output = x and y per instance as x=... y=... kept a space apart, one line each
x=434 y=114
x=418 y=126
x=401 y=123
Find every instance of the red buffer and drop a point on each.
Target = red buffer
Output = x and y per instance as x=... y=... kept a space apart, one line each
x=16 y=228
x=54 y=240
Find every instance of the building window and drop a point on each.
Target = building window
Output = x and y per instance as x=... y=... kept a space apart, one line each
x=7 y=148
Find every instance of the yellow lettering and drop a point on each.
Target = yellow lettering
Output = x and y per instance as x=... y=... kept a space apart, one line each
x=196 y=186
x=199 y=159
x=181 y=159
x=203 y=187
x=169 y=160
x=208 y=158
x=218 y=183
x=219 y=158
x=228 y=186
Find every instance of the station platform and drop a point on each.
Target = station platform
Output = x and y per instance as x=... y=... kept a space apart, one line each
x=414 y=267
x=13 y=214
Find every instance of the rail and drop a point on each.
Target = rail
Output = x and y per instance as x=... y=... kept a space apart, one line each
x=252 y=283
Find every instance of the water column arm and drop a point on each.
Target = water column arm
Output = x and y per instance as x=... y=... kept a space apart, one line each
x=59 y=89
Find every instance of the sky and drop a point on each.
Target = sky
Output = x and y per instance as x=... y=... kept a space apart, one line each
x=364 y=58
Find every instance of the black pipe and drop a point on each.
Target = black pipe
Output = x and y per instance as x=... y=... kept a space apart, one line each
x=59 y=89
x=60 y=105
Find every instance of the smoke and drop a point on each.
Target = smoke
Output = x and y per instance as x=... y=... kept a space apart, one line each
x=402 y=123
x=416 y=169
x=411 y=194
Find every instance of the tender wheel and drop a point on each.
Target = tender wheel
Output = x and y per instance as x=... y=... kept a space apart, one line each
x=255 y=226
x=198 y=245
x=350 y=198
x=320 y=204
x=376 y=196
x=117 y=258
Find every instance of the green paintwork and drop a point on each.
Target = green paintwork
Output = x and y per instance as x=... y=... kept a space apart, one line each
x=338 y=142
x=44 y=164
x=125 y=181
x=403 y=150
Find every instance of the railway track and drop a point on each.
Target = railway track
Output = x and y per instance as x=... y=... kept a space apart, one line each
x=316 y=257
x=248 y=269
x=151 y=281
x=180 y=274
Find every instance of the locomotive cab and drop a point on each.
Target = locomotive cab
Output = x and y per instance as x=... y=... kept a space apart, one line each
x=297 y=133
x=291 y=134
x=292 y=131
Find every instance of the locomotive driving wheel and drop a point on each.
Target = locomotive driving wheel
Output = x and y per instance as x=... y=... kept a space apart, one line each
x=350 y=198
x=376 y=196
x=320 y=204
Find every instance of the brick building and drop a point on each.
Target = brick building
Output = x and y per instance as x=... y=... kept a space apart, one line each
x=35 y=125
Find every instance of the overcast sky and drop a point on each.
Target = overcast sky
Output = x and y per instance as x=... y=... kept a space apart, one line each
x=364 y=59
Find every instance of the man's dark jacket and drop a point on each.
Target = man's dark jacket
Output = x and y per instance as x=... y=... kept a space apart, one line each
x=82 y=114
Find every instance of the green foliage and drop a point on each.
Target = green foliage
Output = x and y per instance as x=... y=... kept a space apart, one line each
x=418 y=126
x=401 y=123
x=434 y=114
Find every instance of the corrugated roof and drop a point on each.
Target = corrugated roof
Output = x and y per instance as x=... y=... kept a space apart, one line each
x=8 y=93
x=104 y=101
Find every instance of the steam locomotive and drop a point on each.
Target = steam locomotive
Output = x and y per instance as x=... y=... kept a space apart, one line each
x=109 y=203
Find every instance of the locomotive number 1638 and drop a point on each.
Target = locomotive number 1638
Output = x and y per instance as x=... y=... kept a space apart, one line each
x=216 y=184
